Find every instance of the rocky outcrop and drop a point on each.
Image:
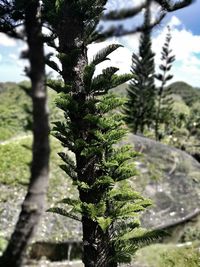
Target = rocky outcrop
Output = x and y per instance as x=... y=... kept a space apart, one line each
x=171 y=178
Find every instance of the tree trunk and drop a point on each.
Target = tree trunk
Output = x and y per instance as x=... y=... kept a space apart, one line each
x=97 y=249
x=34 y=202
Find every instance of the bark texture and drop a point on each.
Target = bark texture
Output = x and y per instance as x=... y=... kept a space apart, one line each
x=34 y=202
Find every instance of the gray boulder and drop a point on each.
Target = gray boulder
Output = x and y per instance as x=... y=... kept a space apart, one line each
x=171 y=178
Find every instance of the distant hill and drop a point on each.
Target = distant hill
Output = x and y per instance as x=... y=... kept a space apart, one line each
x=188 y=93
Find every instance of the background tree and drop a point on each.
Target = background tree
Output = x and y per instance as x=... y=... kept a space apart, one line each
x=140 y=106
x=164 y=103
x=34 y=202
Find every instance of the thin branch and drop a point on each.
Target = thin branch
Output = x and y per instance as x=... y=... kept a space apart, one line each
x=10 y=31
x=124 y=13
x=168 y=6
x=120 y=31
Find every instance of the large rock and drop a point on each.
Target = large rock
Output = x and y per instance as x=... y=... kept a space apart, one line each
x=170 y=177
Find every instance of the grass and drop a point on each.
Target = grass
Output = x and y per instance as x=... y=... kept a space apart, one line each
x=13 y=117
x=15 y=158
x=169 y=255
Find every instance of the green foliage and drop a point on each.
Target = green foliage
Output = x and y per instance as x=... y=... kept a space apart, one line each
x=13 y=119
x=183 y=129
x=93 y=127
x=130 y=242
x=193 y=120
x=104 y=53
x=63 y=212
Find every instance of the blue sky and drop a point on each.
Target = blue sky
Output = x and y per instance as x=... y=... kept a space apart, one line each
x=185 y=25
x=190 y=17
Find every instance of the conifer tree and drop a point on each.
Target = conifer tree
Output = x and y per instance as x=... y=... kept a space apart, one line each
x=164 y=102
x=14 y=13
x=140 y=106
x=93 y=126
x=107 y=209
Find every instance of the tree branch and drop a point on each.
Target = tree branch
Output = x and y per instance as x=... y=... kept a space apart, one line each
x=123 y=13
x=169 y=7
x=120 y=31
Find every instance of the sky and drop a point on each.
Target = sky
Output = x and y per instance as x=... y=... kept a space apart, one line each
x=185 y=44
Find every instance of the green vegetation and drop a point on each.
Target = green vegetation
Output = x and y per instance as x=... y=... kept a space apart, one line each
x=3 y=244
x=12 y=115
x=15 y=110
x=91 y=128
x=14 y=159
x=15 y=156
x=107 y=209
x=169 y=256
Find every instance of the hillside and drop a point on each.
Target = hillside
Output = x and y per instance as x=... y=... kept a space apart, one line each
x=12 y=105
x=188 y=93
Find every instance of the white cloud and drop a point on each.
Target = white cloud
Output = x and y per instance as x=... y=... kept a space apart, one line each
x=0 y=57
x=7 y=41
x=184 y=44
x=174 y=22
